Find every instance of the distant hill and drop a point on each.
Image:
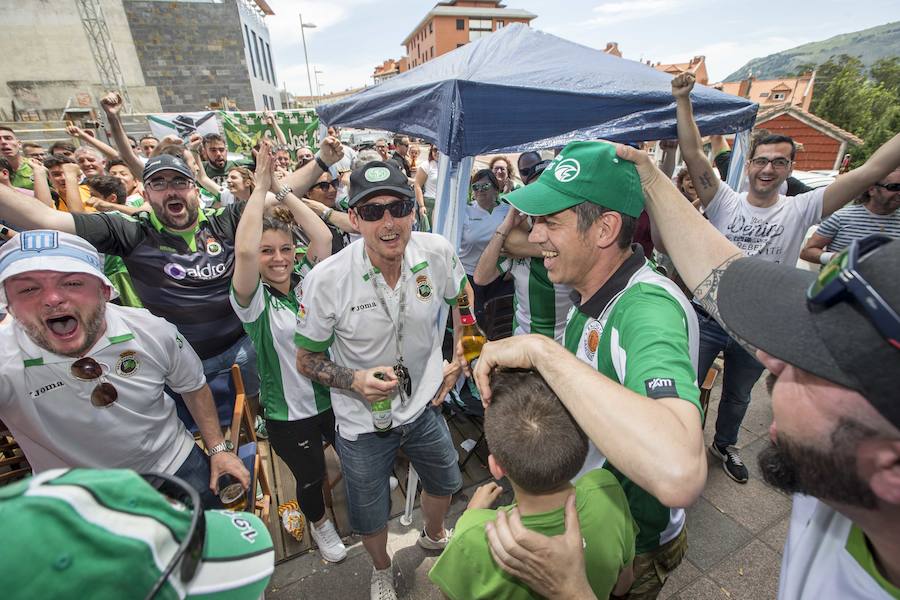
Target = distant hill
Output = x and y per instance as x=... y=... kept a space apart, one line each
x=869 y=45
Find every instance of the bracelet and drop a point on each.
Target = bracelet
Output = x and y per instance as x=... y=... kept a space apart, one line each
x=326 y=214
x=283 y=192
x=826 y=257
x=321 y=163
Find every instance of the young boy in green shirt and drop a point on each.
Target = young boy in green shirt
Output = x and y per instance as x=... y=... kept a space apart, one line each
x=535 y=442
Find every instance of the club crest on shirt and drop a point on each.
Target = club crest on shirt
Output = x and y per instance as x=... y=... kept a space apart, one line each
x=179 y=341
x=423 y=288
x=591 y=339
x=213 y=247
x=128 y=363
x=301 y=314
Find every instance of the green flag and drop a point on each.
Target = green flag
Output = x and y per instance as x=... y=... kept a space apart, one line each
x=244 y=129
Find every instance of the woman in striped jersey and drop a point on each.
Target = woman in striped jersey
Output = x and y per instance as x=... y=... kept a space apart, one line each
x=265 y=296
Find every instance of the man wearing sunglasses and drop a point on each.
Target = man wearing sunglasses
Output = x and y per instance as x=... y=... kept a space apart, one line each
x=763 y=223
x=832 y=344
x=876 y=212
x=181 y=258
x=81 y=379
x=374 y=308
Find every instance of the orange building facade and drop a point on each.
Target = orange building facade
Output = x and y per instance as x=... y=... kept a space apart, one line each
x=824 y=144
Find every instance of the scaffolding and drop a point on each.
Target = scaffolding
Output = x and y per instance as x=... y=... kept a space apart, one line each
x=104 y=54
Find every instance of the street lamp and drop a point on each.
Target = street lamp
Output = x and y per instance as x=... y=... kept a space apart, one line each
x=318 y=83
x=305 y=54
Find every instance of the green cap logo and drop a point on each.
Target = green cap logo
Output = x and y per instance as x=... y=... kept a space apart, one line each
x=567 y=170
x=376 y=174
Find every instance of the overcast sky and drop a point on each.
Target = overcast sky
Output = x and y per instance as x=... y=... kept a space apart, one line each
x=353 y=36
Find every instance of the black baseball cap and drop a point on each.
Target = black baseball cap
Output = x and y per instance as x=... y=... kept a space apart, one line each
x=766 y=304
x=378 y=178
x=166 y=162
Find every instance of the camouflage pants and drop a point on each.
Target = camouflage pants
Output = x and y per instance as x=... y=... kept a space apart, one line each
x=651 y=569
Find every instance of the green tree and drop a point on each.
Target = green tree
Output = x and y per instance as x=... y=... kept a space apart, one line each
x=828 y=71
x=886 y=71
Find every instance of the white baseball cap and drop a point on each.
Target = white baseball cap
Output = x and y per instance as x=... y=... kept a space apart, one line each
x=48 y=250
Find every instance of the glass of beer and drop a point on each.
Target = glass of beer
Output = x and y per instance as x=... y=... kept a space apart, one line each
x=232 y=493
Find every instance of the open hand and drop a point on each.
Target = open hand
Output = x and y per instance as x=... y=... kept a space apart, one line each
x=485 y=496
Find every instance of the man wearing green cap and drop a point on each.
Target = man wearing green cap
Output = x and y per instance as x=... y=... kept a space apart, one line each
x=637 y=329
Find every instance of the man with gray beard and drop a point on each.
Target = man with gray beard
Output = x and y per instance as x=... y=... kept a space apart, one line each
x=81 y=381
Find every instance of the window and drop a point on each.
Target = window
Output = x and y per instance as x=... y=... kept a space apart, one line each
x=250 y=50
x=460 y=24
x=271 y=64
x=500 y=24
x=778 y=96
x=460 y=45
x=265 y=62
x=431 y=27
x=256 y=48
x=479 y=28
x=266 y=101
x=764 y=94
x=247 y=38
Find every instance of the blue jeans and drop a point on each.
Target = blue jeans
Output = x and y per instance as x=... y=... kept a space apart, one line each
x=367 y=462
x=742 y=370
x=242 y=353
x=195 y=472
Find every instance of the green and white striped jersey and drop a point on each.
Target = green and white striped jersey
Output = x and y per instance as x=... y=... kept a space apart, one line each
x=270 y=319
x=540 y=305
x=639 y=330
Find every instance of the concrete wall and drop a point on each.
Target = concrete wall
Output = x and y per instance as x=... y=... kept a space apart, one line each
x=193 y=52
x=47 y=58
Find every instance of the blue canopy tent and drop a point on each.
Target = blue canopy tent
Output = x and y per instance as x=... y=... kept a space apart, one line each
x=520 y=89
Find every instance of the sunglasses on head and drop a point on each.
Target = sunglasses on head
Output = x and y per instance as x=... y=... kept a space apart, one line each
x=374 y=212
x=88 y=369
x=891 y=187
x=534 y=170
x=840 y=281
x=324 y=185
x=190 y=551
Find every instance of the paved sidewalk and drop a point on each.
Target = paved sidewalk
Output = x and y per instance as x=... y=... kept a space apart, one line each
x=735 y=534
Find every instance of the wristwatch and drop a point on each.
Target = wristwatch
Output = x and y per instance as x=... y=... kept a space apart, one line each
x=283 y=192
x=326 y=214
x=225 y=446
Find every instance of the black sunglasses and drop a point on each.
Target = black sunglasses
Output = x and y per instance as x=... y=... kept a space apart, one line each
x=190 y=551
x=374 y=212
x=324 y=185
x=891 y=187
x=88 y=369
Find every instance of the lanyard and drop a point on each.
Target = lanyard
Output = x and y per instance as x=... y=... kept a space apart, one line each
x=398 y=327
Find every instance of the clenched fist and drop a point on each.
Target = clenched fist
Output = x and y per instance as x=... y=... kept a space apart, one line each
x=682 y=85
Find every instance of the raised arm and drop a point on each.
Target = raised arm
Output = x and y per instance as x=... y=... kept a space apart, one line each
x=337 y=218
x=72 y=174
x=41 y=183
x=249 y=232
x=269 y=118
x=90 y=139
x=853 y=183
x=112 y=104
x=303 y=178
x=486 y=270
x=24 y=212
x=518 y=246
x=705 y=181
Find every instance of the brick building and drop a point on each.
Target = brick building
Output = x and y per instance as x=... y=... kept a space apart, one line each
x=696 y=65
x=796 y=91
x=824 y=144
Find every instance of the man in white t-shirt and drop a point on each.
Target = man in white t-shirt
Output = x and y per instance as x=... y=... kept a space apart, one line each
x=81 y=379
x=375 y=307
x=762 y=223
x=832 y=343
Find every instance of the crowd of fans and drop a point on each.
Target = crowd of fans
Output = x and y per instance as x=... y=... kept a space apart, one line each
x=134 y=273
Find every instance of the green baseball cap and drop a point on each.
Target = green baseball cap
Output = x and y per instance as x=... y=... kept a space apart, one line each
x=109 y=534
x=582 y=172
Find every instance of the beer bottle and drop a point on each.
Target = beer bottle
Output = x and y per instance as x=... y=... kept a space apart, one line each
x=381 y=411
x=472 y=337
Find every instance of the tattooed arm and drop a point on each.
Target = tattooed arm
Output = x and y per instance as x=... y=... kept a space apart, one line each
x=705 y=180
x=319 y=368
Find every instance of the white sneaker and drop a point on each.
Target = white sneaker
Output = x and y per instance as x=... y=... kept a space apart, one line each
x=382 y=585
x=429 y=544
x=329 y=542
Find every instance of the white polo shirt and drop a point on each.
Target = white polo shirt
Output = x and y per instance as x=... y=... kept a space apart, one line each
x=478 y=228
x=340 y=311
x=50 y=412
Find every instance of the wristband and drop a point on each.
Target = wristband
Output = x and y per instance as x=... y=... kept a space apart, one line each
x=326 y=214
x=283 y=192
x=826 y=257
x=321 y=163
